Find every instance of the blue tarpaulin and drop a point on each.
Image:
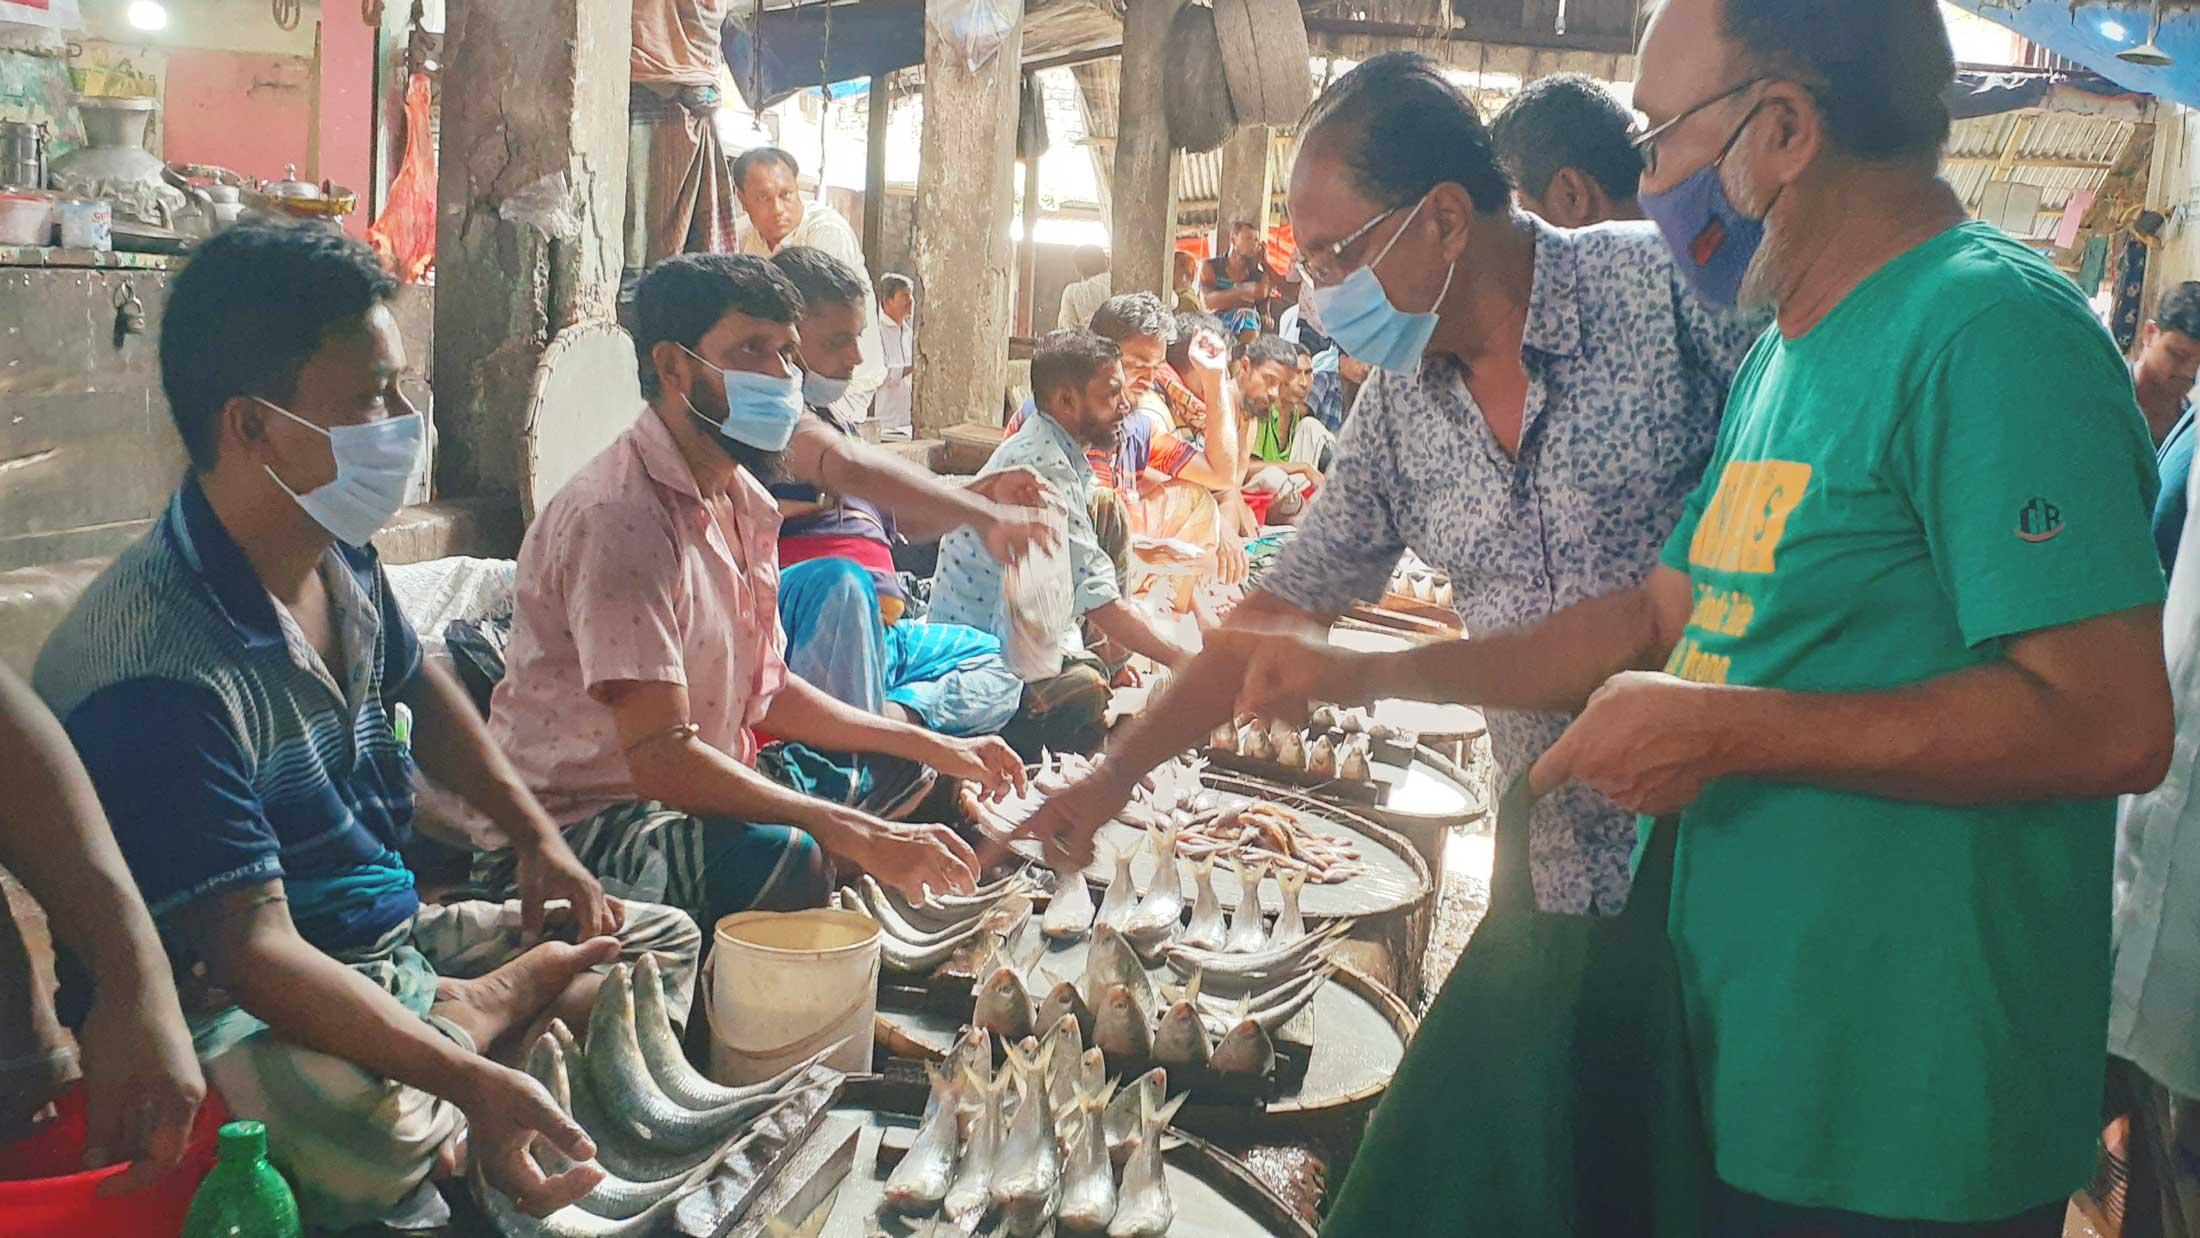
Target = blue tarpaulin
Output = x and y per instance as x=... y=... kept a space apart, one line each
x=2093 y=32
x=781 y=51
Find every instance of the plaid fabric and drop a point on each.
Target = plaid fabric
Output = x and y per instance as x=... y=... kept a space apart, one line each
x=709 y=869
x=1064 y=713
x=356 y=1146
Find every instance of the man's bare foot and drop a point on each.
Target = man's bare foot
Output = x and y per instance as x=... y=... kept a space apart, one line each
x=513 y=995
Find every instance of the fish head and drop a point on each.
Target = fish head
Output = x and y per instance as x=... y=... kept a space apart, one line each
x=1064 y=1033
x=1092 y=1068
x=1003 y=987
x=1179 y=1019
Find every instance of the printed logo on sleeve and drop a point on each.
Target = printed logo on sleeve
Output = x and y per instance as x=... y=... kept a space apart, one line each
x=2040 y=521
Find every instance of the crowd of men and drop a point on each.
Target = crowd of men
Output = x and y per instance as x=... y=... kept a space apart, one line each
x=1812 y=537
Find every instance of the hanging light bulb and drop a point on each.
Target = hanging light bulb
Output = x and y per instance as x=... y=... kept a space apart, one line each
x=148 y=15
x=2148 y=53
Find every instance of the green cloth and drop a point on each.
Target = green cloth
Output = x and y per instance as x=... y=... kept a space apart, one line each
x=1897 y=1008
x=1272 y=436
x=1548 y=1094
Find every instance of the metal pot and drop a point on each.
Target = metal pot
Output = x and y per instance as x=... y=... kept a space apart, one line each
x=22 y=154
x=291 y=187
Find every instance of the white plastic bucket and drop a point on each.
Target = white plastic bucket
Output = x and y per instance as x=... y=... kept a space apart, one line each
x=785 y=985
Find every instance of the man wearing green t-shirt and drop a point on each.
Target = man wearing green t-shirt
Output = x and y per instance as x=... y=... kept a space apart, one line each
x=1911 y=631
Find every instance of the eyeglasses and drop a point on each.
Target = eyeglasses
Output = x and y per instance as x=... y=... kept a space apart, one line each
x=1645 y=141
x=1326 y=265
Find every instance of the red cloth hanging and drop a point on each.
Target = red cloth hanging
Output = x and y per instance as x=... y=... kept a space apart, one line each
x=404 y=236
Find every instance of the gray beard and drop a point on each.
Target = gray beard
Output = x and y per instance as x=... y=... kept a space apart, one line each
x=1761 y=280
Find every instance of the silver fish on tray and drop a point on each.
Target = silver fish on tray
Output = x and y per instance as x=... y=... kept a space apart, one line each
x=1121 y=1029
x=623 y=1081
x=668 y=1063
x=1153 y=923
x=919 y=1183
x=1207 y=929
x=1027 y=1173
x=970 y=1197
x=1111 y=959
x=615 y=1150
x=1121 y=896
x=1064 y=999
x=615 y=1198
x=1069 y=916
x=1143 y=1208
x=1264 y=968
x=1290 y=925
x=1121 y=1118
x=1181 y=1038
x=1247 y=930
x=1088 y=1176
x=1245 y=1049
x=1004 y=1006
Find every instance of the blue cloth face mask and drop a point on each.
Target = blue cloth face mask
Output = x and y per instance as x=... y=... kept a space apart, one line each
x=1357 y=313
x=374 y=465
x=1711 y=239
x=761 y=410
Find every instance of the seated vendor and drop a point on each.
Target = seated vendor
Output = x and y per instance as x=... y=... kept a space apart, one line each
x=840 y=599
x=1083 y=399
x=647 y=655
x=1165 y=485
x=1338 y=378
x=237 y=684
x=1267 y=373
x=1285 y=434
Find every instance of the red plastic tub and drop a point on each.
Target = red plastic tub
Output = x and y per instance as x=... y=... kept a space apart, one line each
x=45 y=1192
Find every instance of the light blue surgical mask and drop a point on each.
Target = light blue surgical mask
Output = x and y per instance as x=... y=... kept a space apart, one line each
x=761 y=411
x=1357 y=313
x=374 y=465
x=820 y=391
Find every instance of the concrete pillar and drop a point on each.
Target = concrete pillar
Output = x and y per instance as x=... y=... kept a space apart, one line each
x=534 y=120
x=880 y=103
x=965 y=187
x=1145 y=162
x=1246 y=189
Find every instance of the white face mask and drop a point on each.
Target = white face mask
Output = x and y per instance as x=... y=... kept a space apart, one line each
x=374 y=464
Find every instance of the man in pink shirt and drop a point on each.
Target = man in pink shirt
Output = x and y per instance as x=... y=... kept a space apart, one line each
x=646 y=650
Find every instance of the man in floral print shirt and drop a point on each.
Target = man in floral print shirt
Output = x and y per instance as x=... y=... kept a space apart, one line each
x=1539 y=449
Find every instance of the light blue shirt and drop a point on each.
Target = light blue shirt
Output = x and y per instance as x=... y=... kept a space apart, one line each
x=966 y=586
x=1627 y=377
x=2154 y=996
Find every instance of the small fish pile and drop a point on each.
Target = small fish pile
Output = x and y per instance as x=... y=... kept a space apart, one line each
x=919 y=937
x=1268 y=834
x=660 y=1128
x=1036 y=1144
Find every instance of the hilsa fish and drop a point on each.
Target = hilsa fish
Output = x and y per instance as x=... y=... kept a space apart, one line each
x=1004 y=1007
x=1088 y=1176
x=1027 y=1172
x=1143 y=1208
x=1206 y=930
x=1121 y=1030
x=919 y=1184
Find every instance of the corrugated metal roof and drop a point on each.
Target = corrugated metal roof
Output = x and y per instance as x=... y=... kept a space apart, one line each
x=2061 y=153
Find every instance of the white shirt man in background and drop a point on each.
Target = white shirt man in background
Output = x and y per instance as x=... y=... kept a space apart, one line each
x=1082 y=299
x=897 y=335
x=767 y=182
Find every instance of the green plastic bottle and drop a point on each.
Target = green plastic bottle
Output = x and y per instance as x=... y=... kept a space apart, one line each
x=243 y=1196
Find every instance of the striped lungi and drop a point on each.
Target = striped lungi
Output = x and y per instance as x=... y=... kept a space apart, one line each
x=709 y=869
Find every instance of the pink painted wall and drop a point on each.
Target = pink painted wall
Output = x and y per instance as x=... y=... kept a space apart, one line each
x=250 y=110
x=241 y=110
x=347 y=106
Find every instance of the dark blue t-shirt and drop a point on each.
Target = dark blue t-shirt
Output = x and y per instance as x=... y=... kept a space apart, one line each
x=223 y=753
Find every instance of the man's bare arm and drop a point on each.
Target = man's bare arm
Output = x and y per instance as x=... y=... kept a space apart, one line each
x=925 y=507
x=144 y=1081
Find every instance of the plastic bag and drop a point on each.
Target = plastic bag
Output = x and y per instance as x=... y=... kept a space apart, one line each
x=1041 y=604
x=976 y=28
x=546 y=206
